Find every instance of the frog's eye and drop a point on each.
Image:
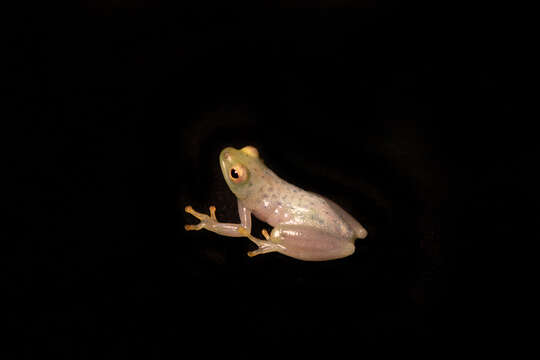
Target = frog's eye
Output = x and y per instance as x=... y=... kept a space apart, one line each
x=238 y=174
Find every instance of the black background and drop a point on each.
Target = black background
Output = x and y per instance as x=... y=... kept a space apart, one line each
x=116 y=113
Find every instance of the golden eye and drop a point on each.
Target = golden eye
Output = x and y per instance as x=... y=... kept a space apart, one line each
x=238 y=173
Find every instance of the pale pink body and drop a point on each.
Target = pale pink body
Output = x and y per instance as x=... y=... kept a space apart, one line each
x=306 y=226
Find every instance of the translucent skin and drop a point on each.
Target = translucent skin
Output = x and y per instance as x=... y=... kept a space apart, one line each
x=307 y=226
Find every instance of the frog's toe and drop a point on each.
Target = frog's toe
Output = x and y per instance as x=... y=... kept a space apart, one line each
x=197 y=214
x=194 y=227
x=190 y=210
x=254 y=253
x=265 y=248
x=213 y=212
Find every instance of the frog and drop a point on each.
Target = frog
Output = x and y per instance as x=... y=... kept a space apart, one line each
x=306 y=226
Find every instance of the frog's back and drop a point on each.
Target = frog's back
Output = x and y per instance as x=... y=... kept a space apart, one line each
x=278 y=202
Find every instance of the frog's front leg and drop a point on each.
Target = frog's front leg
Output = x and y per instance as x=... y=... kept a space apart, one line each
x=226 y=229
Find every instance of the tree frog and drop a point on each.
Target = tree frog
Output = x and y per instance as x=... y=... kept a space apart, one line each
x=306 y=226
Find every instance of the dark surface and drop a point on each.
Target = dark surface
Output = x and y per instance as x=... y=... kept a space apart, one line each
x=118 y=114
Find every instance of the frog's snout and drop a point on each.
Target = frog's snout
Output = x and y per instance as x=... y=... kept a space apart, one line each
x=362 y=233
x=226 y=154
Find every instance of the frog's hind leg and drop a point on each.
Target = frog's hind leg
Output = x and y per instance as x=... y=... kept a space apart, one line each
x=310 y=244
x=265 y=246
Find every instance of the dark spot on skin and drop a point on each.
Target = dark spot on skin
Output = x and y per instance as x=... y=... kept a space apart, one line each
x=294 y=190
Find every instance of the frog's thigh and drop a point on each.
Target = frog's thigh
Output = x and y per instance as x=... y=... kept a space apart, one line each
x=307 y=243
x=359 y=230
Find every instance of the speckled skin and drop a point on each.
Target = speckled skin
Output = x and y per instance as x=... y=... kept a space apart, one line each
x=277 y=202
x=307 y=226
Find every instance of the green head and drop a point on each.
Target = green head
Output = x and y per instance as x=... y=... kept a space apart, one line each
x=240 y=169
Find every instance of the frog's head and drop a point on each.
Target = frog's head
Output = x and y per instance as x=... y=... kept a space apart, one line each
x=239 y=168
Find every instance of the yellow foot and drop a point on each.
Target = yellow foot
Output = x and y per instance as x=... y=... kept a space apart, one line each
x=203 y=217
